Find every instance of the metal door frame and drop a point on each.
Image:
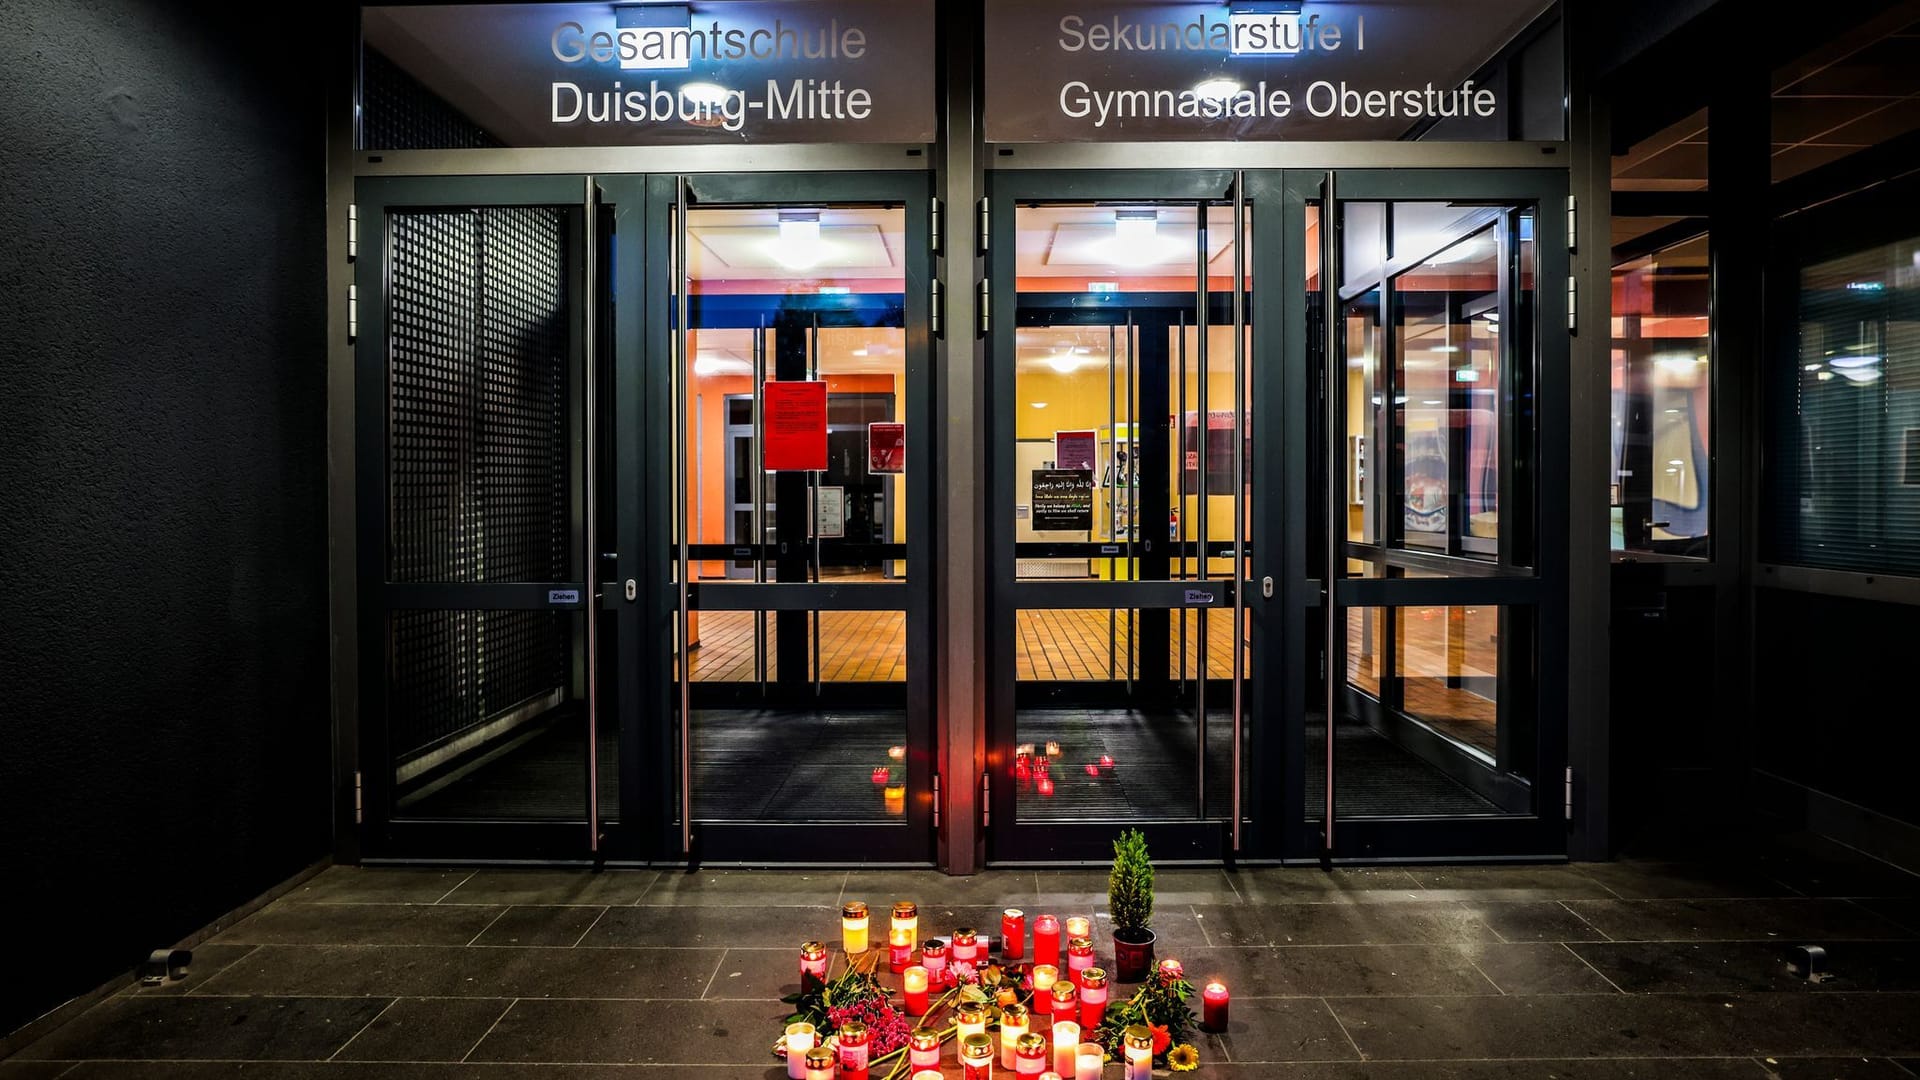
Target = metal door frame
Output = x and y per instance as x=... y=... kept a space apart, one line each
x=1009 y=841
x=649 y=348
x=1308 y=462
x=382 y=833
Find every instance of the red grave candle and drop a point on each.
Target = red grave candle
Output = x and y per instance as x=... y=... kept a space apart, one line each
x=853 y=1050
x=1044 y=976
x=813 y=965
x=1213 y=1007
x=1013 y=933
x=933 y=956
x=1093 y=998
x=899 y=950
x=1046 y=940
x=1079 y=958
x=913 y=984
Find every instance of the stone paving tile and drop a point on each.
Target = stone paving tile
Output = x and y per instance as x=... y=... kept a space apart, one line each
x=33 y=1070
x=425 y=1029
x=1488 y=884
x=717 y=927
x=1087 y=889
x=1295 y=885
x=665 y=1033
x=360 y=1070
x=1751 y=966
x=755 y=975
x=1834 y=1069
x=1641 y=880
x=750 y=888
x=307 y=1028
x=1735 y=920
x=1633 y=1025
x=992 y=889
x=1538 y=920
x=378 y=885
x=1277 y=1030
x=550 y=887
x=1348 y=970
x=430 y=971
x=559 y=926
x=1557 y=1069
x=300 y=923
x=1370 y=924
x=1538 y=968
x=1902 y=913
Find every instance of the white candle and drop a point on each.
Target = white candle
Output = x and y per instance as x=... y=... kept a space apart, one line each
x=1139 y=1050
x=1013 y=1024
x=1088 y=1061
x=799 y=1041
x=1066 y=1044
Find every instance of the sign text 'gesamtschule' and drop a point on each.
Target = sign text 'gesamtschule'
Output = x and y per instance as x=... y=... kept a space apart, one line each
x=628 y=62
x=1133 y=70
x=576 y=74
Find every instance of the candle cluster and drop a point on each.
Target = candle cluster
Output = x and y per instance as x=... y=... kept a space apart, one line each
x=1067 y=987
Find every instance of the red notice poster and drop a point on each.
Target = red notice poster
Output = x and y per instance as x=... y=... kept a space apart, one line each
x=795 y=413
x=1074 y=450
x=886 y=448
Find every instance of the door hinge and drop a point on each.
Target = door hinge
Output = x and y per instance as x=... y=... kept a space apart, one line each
x=353 y=231
x=1573 y=223
x=934 y=232
x=986 y=224
x=986 y=306
x=936 y=308
x=353 y=313
x=359 y=810
x=1573 y=305
x=1569 y=807
x=936 y=802
x=986 y=799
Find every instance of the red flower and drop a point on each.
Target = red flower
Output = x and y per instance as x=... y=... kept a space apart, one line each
x=1161 y=1039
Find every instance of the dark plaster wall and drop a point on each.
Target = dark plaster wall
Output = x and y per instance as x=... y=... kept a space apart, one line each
x=164 y=731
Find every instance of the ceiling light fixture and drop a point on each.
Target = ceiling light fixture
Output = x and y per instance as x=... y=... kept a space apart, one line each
x=1039 y=404
x=1064 y=363
x=1845 y=362
x=799 y=245
x=1219 y=88
x=1136 y=238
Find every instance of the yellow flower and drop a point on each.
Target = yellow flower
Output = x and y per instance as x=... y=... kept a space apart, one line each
x=1183 y=1058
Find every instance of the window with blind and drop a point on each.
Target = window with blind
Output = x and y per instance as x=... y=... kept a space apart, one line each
x=1849 y=494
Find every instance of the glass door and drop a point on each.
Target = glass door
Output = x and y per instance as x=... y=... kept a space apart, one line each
x=786 y=523
x=476 y=306
x=1436 y=315
x=1118 y=513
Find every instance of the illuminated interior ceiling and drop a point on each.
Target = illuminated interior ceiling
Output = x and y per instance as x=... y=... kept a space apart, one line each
x=1086 y=242
x=843 y=351
x=853 y=243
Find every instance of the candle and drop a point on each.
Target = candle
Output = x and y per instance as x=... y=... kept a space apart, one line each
x=1049 y=1075
x=1171 y=971
x=1046 y=940
x=923 y=1050
x=1030 y=1056
x=1066 y=1000
x=853 y=928
x=1138 y=1042
x=913 y=984
x=926 y=1074
x=1213 y=1006
x=1093 y=997
x=970 y=1019
x=1079 y=958
x=819 y=1064
x=1044 y=976
x=1066 y=1043
x=853 y=1050
x=799 y=1040
x=906 y=916
x=813 y=965
x=934 y=957
x=899 y=950
x=1013 y=1024
x=976 y=1057
x=1079 y=926
x=966 y=946
x=1013 y=931
x=1088 y=1061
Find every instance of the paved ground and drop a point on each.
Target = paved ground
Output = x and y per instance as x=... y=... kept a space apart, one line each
x=1631 y=969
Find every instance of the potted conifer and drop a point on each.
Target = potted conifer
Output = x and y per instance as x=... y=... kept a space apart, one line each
x=1130 y=895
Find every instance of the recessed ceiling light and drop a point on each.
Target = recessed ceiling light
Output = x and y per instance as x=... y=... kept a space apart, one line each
x=799 y=245
x=1039 y=404
x=859 y=352
x=1064 y=363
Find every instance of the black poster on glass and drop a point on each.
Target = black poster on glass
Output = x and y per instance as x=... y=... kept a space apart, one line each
x=1062 y=500
x=1138 y=70
x=738 y=71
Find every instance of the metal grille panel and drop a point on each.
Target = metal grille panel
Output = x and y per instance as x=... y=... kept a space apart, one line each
x=453 y=670
x=478 y=396
x=398 y=113
x=479 y=452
